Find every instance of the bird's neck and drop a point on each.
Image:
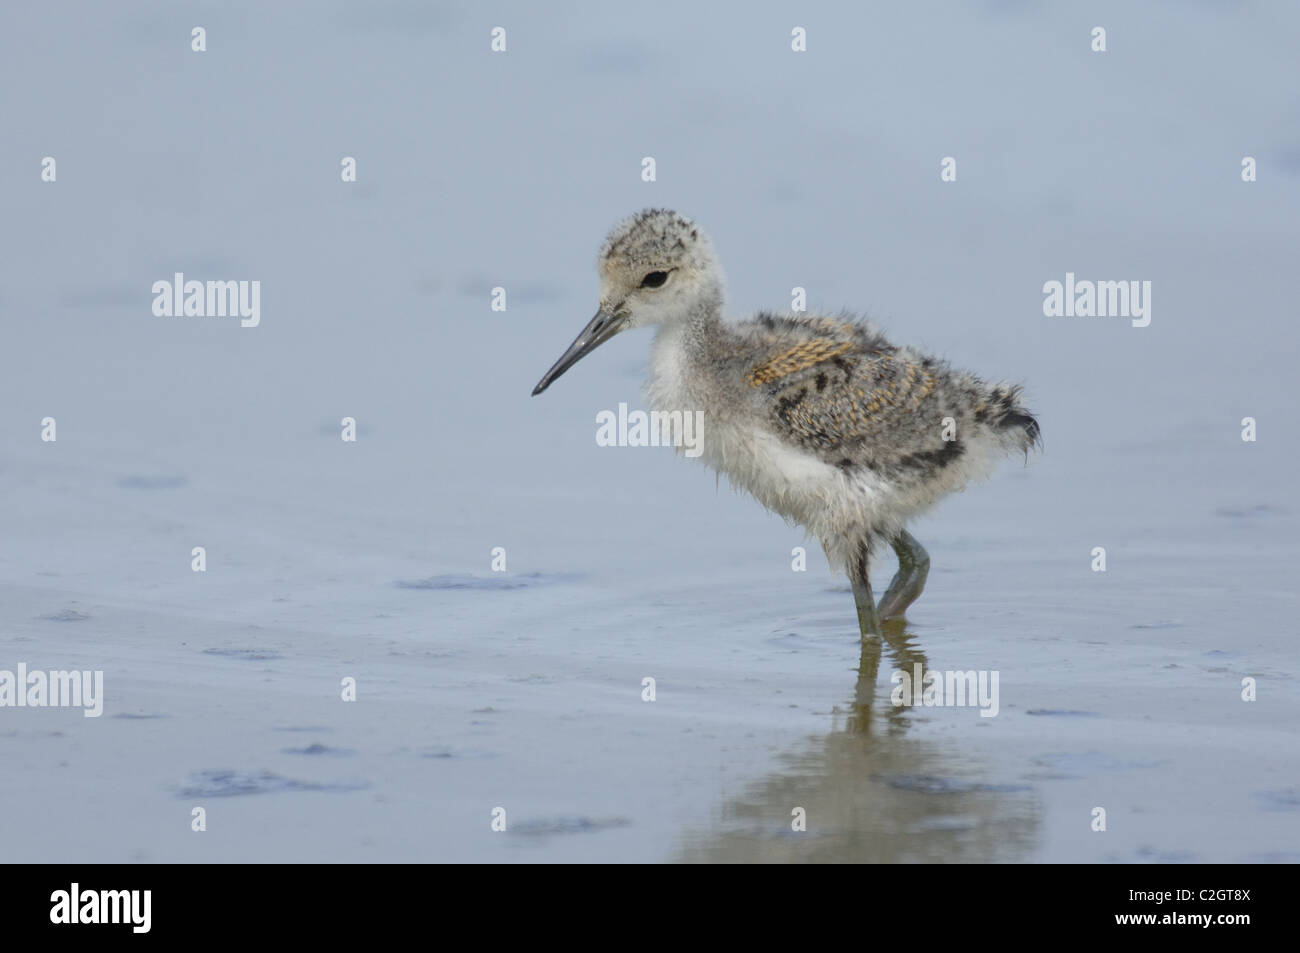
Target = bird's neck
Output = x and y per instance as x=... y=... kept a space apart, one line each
x=680 y=359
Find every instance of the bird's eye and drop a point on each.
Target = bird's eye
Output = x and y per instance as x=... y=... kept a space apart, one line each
x=655 y=279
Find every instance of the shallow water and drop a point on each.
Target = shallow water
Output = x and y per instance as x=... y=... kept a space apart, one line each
x=522 y=690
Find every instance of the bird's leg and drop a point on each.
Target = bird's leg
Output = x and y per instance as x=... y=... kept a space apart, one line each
x=913 y=567
x=868 y=620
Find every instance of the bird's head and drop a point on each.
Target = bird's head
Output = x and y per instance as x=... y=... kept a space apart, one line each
x=656 y=268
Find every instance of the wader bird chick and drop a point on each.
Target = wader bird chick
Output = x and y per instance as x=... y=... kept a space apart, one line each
x=820 y=418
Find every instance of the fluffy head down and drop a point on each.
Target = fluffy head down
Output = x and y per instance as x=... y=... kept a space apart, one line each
x=658 y=267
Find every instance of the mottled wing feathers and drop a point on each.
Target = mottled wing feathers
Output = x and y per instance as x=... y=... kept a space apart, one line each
x=802 y=356
x=837 y=388
x=860 y=400
x=857 y=411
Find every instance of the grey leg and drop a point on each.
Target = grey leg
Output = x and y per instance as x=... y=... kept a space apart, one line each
x=868 y=619
x=913 y=567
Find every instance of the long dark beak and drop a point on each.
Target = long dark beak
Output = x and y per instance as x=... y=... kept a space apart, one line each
x=598 y=330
